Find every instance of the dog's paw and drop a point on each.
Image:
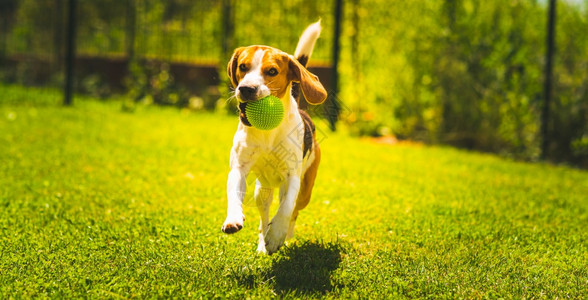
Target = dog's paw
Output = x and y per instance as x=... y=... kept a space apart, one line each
x=275 y=237
x=261 y=248
x=232 y=225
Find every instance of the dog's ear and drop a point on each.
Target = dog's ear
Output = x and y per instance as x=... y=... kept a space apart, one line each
x=232 y=67
x=311 y=87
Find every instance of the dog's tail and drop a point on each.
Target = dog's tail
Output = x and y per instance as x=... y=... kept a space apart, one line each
x=303 y=52
x=306 y=42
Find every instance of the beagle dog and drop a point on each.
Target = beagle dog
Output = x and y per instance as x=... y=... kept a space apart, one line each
x=286 y=157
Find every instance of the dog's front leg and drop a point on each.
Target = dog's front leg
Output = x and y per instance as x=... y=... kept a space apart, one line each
x=263 y=199
x=276 y=234
x=236 y=187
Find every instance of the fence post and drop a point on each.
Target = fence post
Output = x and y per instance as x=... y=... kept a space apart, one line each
x=548 y=80
x=70 y=52
x=332 y=105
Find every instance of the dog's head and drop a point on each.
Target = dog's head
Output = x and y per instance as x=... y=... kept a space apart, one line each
x=258 y=71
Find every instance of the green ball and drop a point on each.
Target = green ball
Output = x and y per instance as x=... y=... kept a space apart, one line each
x=266 y=113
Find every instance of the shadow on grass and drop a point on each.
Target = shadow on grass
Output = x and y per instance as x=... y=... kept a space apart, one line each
x=305 y=268
x=299 y=270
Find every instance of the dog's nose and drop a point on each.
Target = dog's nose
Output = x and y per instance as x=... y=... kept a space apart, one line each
x=248 y=93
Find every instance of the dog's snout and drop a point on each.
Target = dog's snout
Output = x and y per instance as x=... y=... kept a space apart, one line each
x=248 y=93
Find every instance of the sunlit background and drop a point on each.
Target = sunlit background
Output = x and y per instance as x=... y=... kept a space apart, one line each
x=465 y=73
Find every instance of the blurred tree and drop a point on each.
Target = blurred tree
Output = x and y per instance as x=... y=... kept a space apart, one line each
x=569 y=114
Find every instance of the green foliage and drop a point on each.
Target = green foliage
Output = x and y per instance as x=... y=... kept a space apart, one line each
x=488 y=75
x=93 y=85
x=466 y=73
x=179 y=30
x=460 y=72
x=150 y=82
x=98 y=203
x=569 y=127
x=280 y=23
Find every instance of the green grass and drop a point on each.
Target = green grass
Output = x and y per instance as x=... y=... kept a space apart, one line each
x=96 y=202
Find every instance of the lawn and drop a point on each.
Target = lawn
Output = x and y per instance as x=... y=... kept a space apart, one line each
x=101 y=202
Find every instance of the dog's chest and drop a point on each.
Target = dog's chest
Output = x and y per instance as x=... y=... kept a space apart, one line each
x=275 y=163
x=272 y=155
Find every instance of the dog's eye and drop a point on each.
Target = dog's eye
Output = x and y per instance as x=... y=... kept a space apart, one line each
x=242 y=67
x=272 y=72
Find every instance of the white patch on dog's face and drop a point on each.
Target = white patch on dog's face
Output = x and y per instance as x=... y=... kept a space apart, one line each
x=257 y=61
x=254 y=77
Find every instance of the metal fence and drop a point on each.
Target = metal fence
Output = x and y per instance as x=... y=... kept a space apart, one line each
x=462 y=72
x=175 y=31
x=121 y=46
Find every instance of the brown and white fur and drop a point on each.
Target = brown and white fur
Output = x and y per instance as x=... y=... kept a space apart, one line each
x=286 y=157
